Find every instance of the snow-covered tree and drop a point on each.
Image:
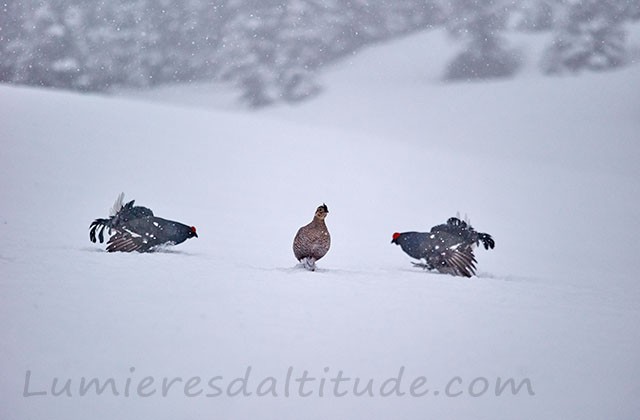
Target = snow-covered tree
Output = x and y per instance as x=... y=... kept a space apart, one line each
x=12 y=15
x=591 y=36
x=122 y=39
x=479 y=23
x=633 y=10
x=186 y=36
x=403 y=16
x=249 y=52
x=46 y=54
x=271 y=49
x=536 y=15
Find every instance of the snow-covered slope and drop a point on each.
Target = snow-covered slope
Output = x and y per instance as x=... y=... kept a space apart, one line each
x=547 y=166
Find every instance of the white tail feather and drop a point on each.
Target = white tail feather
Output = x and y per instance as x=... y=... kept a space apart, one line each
x=466 y=219
x=117 y=205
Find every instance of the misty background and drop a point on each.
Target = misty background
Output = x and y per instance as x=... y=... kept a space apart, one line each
x=271 y=50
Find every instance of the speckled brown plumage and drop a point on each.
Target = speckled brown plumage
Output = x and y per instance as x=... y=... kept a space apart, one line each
x=312 y=241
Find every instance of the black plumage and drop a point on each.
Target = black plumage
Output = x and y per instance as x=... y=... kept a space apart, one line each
x=447 y=248
x=135 y=228
x=120 y=215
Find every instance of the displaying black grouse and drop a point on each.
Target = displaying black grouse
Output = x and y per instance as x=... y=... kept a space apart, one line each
x=313 y=241
x=135 y=228
x=447 y=248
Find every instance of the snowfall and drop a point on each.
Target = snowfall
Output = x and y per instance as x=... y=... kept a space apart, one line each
x=227 y=326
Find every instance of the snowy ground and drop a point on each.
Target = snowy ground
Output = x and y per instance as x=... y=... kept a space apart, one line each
x=548 y=166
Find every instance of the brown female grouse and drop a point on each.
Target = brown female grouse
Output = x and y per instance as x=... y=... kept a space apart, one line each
x=312 y=241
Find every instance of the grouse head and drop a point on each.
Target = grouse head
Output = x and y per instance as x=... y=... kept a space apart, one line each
x=394 y=238
x=192 y=232
x=322 y=211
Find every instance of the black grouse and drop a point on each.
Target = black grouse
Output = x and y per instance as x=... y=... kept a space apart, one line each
x=447 y=248
x=312 y=241
x=135 y=228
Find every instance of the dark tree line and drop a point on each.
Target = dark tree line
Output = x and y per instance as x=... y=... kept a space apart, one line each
x=587 y=34
x=268 y=48
x=271 y=49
